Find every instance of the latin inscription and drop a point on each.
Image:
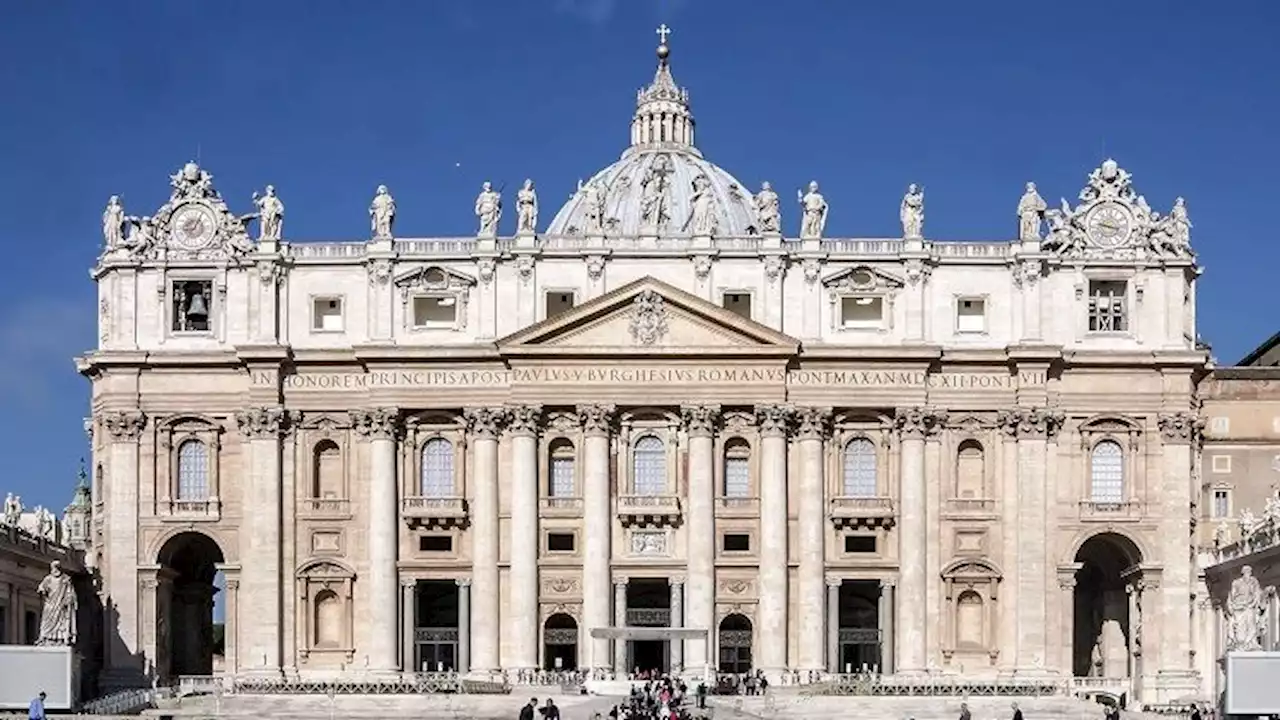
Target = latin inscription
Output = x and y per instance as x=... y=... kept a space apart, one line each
x=624 y=375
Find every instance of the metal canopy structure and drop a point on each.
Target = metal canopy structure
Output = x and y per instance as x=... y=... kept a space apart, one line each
x=650 y=633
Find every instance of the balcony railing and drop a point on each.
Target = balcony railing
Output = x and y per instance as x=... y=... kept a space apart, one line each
x=737 y=506
x=209 y=509
x=561 y=506
x=433 y=511
x=648 y=510
x=1098 y=511
x=324 y=507
x=648 y=617
x=971 y=506
x=862 y=511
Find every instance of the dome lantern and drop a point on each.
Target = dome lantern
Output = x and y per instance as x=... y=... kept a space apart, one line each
x=663 y=118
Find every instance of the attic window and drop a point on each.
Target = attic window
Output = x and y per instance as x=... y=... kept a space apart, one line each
x=559 y=302
x=435 y=311
x=738 y=303
x=862 y=312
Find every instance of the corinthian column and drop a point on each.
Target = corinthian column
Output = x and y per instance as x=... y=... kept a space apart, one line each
x=523 y=594
x=124 y=429
x=812 y=424
x=700 y=423
x=913 y=424
x=1178 y=434
x=597 y=580
x=260 y=558
x=483 y=425
x=1033 y=428
x=772 y=609
x=380 y=427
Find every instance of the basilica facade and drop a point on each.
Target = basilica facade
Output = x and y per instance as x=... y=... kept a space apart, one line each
x=657 y=432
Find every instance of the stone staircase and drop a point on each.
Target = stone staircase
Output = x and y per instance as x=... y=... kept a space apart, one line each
x=780 y=705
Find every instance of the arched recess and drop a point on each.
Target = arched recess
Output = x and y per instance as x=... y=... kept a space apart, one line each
x=970 y=470
x=325 y=616
x=734 y=637
x=184 y=591
x=971 y=592
x=560 y=642
x=1107 y=606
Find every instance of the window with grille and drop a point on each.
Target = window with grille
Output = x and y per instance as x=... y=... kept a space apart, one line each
x=1107 y=306
x=1221 y=504
x=436 y=473
x=193 y=471
x=649 y=466
x=737 y=469
x=1106 y=469
x=860 y=468
x=561 y=474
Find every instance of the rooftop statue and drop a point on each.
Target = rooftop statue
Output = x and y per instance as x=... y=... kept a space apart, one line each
x=270 y=215
x=527 y=209
x=1031 y=210
x=12 y=510
x=113 y=223
x=911 y=212
x=767 y=209
x=488 y=210
x=814 y=221
x=382 y=214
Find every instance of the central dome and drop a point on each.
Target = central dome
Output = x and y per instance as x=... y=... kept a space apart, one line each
x=650 y=190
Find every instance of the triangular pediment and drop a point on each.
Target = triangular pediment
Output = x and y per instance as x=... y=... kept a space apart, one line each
x=862 y=278
x=433 y=277
x=648 y=316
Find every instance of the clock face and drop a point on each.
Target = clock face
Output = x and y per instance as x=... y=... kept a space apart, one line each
x=1109 y=225
x=193 y=226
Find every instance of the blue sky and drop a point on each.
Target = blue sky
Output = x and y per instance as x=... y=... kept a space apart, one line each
x=327 y=99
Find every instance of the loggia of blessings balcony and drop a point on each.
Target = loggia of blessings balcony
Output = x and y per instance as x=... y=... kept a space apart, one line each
x=208 y=510
x=855 y=512
x=434 y=511
x=649 y=510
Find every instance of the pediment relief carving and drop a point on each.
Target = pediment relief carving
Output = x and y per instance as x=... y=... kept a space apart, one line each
x=862 y=278
x=433 y=278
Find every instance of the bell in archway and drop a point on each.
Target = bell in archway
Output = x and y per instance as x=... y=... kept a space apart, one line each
x=197 y=309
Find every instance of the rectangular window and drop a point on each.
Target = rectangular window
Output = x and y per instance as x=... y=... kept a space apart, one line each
x=1221 y=503
x=738 y=303
x=736 y=542
x=561 y=477
x=1221 y=464
x=737 y=478
x=1220 y=425
x=861 y=312
x=971 y=315
x=435 y=543
x=435 y=311
x=326 y=314
x=859 y=544
x=558 y=302
x=192 y=307
x=1108 y=306
x=560 y=542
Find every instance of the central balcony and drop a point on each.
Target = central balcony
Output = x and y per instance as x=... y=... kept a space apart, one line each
x=434 y=512
x=649 y=510
x=209 y=510
x=862 y=512
x=1098 y=511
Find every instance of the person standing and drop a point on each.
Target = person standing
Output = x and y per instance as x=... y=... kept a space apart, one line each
x=36 y=710
x=526 y=712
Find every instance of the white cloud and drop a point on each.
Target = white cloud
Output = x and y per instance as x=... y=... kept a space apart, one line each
x=38 y=338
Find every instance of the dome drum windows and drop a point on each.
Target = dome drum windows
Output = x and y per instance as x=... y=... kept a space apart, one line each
x=433 y=493
x=862 y=499
x=190 y=492
x=650 y=500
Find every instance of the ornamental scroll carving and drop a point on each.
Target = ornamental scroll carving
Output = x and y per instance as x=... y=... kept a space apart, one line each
x=919 y=422
x=524 y=419
x=262 y=422
x=648 y=318
x=813 y=423
x=123 y=426
x=596 y=419
x=700 y=419
x=561 y=586
x=1031 y=422
x=773 y=419
x=377 y=423
x=1180 y=427
x=379 y=272
x=484 y=422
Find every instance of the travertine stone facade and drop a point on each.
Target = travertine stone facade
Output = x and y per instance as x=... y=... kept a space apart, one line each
x=825 y=453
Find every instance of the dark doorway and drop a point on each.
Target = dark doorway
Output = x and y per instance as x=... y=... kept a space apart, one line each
x=1102 y=637
x=649 y=605
x=560 y=643
x=649 y=655
x=435 y=632
x=859 y=626
x=185 y=638
x=735 y=644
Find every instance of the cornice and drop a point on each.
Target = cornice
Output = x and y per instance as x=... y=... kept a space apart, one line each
x=898 y=354
x=1189 y=359
x=419 y=354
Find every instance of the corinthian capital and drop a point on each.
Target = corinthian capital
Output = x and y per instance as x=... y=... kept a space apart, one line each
x=484 y=422
x=1031 y=423
x=813 y=423
x=919 y=422
x=1180 y=427
x=773 y=419
x=261 y=422
x=596 y=419
x=524 y=419
x=377 y=423
x=700 y=419
x=123 y=425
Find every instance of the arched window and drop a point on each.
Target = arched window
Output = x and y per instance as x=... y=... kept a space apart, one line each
x=649 y=466
x=737 y=469
x=193 y=471
x=970 y=470
x=560 y=483
x=436 y=471
x=1106 y=473
x=860 y=468
x=326 y=471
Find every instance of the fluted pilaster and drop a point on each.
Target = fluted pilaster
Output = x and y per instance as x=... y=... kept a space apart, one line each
x=700 y=422
x=774 y=422
x=381 y=428
x=483 y=425
x=597 y=421
x=524 y=422
x=812 y=427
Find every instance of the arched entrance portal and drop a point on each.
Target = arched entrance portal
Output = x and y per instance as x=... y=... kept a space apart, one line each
x=735 y=644
x=1107 y=613
x=560 y=643
x=185 y=638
